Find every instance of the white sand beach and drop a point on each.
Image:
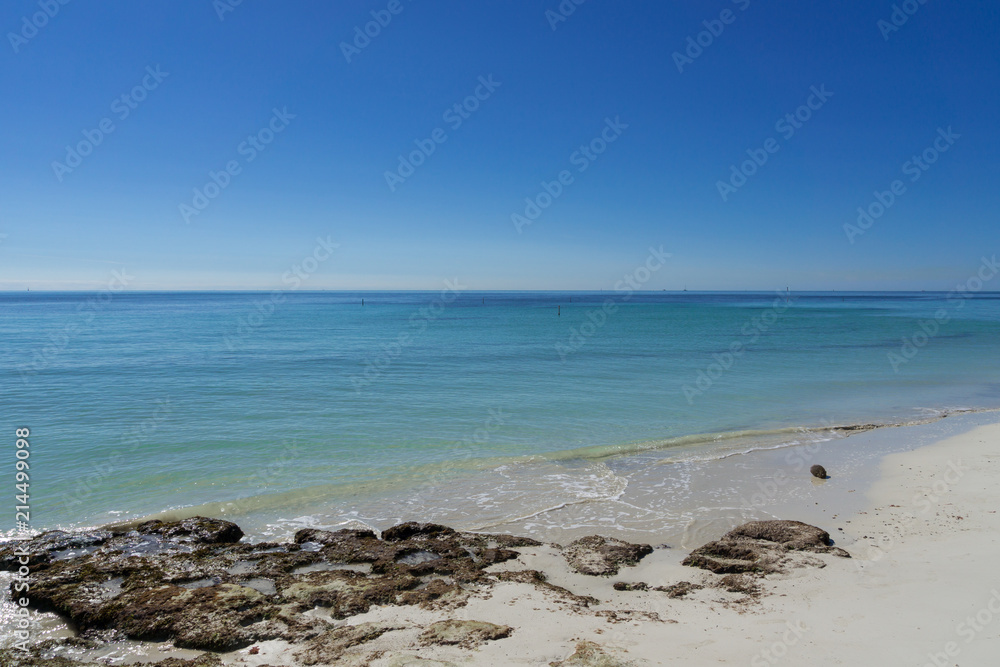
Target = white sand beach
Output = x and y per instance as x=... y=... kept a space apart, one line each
x=920 y=589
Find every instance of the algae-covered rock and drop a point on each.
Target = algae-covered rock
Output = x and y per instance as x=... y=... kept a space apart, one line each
x=410 y=529
x=193 y=582
x=330 y=646
x=196 y=529
x=589 y=654
x=762 y=547
x=464 y=633
x=603 y=556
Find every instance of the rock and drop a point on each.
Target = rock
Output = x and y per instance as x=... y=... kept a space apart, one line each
x=538 y=580
x=193 y=583
x=198 y=530
x=53 y=545
x=332 y=537
x=35 y=658
x=589 y=654
x=603 y=556
x=330 y=646
x=791 y=534
x=818 y=471
x=762 y=547
x=466 y=634
x=678 y=590
x=637 y=586
x=410 y=529
x=740 y=583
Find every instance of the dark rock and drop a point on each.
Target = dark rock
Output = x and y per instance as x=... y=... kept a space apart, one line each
x=678 y=590
x=603 y=556
x=52 y=545
x=36 y=658
x=513 y=541
x=623 y=586
x=740 y=583
x=332 y=537
x=790 y=534
x=762 y=547
x=818 y=471
x=197 y=529
x=411 y=529
x=192 y=582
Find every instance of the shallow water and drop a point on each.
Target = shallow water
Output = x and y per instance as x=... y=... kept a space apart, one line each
x=489 y=410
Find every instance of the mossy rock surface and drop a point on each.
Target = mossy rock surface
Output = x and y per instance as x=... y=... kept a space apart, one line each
x=195 y=583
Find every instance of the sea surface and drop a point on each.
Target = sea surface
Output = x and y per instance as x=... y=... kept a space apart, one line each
x=484 y=410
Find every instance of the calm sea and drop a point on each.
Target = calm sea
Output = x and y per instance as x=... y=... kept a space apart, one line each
x=281 y=410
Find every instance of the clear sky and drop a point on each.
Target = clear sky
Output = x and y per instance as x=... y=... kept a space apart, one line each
x=188 y=87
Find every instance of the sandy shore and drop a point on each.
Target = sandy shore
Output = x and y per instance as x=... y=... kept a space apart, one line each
x=920 y=589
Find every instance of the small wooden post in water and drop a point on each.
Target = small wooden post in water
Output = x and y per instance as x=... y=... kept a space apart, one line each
x=558 y=311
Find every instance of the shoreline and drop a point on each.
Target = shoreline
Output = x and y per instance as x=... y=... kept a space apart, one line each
x=591 y=480
x=926 y=530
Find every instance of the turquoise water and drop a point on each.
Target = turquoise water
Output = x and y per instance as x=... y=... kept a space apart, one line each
x=299 y=409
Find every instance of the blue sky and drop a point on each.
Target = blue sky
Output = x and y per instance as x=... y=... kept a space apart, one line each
x=345 y=120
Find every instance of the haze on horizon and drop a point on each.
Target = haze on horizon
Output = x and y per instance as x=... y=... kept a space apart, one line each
x=205 y=144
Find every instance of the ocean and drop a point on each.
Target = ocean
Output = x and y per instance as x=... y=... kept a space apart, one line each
x=483 y=410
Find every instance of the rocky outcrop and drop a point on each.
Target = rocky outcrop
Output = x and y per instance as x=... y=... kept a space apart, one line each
x=198 y=530
x=589 y=654
x=763 y=547
x=679 y=590
x=194 y=583
x=603 y=556
x=466 y=634
x=330 y=646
